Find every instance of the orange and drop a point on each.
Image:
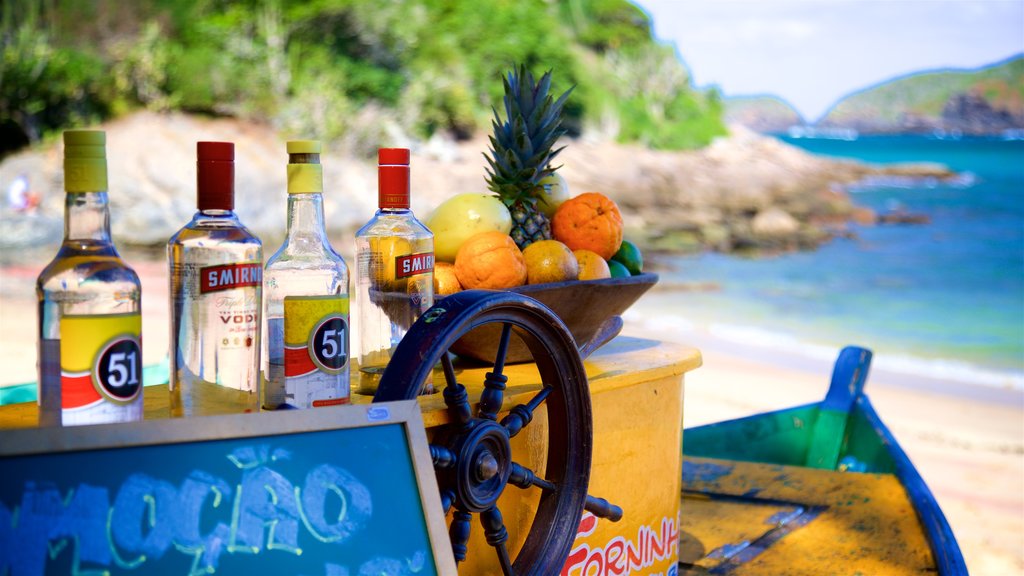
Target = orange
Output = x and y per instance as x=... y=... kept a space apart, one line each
x=445 y=280
x=592 y=266
x=590 y=221
x=550 y=261
x=490 y=260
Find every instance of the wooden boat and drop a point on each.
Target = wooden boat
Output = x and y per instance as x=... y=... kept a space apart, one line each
x=822 y=488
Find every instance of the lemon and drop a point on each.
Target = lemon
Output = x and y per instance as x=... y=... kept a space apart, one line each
x=383 y=253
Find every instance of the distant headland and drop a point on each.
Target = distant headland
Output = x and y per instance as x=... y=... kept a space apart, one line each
x=985 y=101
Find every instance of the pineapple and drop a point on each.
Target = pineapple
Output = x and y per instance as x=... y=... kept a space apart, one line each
x=521 y=154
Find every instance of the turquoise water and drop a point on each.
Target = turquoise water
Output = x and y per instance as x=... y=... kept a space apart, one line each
x=943 y=299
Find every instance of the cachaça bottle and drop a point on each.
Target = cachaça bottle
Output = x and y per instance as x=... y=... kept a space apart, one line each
x=90 y=324
x=306 y=355
x=216 y=286
x=394 y=270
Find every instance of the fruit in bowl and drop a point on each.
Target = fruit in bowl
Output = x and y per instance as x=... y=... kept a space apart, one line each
x=463 y=216
x=554 y=247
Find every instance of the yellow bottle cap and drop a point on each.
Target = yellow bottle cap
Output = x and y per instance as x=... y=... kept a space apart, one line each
x=85 y=161
x=305 y=176
x=303 y=146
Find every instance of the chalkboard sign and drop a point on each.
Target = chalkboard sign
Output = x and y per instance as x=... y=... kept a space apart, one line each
x=338 y=491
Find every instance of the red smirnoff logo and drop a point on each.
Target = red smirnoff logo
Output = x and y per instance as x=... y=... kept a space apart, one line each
x=414 y=264
x=227 y=276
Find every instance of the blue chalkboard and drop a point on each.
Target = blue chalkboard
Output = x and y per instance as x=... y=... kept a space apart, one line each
x=329 y=492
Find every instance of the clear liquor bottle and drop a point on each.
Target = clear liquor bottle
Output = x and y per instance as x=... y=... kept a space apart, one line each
x=394 y=270
x=306 y=354
x=216 y=287
x=90 y=324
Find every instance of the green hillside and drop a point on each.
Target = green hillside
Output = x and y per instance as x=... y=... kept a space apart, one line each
x=993 y=95
x=357 y=71
x=763 y=113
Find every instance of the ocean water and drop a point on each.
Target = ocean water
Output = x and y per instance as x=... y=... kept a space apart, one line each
x=943 y=299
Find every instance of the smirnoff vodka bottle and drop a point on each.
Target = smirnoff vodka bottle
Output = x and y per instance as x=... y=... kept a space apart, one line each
x=306 y=358
x=216 y=284
x=394 y=272
x=90 y=347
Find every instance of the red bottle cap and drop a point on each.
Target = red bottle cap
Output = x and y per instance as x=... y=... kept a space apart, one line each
x=393 y=178
x=215 y=175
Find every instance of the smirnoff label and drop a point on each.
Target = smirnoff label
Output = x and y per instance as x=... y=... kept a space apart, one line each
x=314 y=336
x=228 y=276
x=101 y=368
x=414 y=264
x=224 y=302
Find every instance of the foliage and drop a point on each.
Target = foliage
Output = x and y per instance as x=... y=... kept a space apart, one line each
x=323 y=68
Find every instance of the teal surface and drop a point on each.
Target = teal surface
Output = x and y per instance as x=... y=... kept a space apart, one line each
x=785 y=437
x=329 y=502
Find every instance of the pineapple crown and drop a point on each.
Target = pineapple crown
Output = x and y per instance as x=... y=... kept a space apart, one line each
x=520 y=152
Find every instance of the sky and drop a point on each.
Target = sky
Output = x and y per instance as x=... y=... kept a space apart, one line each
x=813 y=52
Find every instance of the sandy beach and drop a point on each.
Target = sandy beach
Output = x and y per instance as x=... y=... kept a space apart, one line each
x=967 y=443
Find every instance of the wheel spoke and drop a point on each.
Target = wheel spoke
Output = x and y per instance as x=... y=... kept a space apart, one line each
x=442 y=457
x=522 y=414
x=449 y=370
x=494 y=384
x=458 y=404
x=523 y=477
x=447 y=497
x=499 y=357
x=497 y=535
x=459 y=534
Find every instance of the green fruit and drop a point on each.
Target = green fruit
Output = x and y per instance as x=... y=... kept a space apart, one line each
x=462 y=216
x=556 y=191
x=617 y=269
x=630 y=257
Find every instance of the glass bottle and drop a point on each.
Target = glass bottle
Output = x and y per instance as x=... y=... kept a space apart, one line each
x=394 y=270
x=90 y=323
x=216 y=286
x=306 y=355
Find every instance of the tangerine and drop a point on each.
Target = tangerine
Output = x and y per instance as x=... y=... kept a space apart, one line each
x=592 y=266
x=490 y=260
x=550 y=261
x=445 y=280
x=590 y=221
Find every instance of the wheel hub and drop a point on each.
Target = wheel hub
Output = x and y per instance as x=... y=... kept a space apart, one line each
x=485 y=462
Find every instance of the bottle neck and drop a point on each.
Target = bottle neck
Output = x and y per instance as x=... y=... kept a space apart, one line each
x=86 y=217
x=306 y=218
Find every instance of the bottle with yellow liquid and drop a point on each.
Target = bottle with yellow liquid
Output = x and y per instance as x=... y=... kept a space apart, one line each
x=306 y=355
x=394 y=271
x=90 y=325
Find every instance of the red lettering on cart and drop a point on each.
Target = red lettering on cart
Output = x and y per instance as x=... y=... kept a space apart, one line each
x=620 y=556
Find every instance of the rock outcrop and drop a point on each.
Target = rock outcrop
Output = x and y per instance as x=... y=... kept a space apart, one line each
x=743 y=192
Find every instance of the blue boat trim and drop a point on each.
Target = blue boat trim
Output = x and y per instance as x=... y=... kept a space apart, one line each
x=948 y=558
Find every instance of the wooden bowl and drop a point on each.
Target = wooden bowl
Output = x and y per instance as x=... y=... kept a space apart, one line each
x=589 y=308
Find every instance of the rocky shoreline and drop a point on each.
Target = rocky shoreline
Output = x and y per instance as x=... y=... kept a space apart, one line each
x=746 y=192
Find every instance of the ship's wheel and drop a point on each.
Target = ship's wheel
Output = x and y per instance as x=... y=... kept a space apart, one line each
x=472 y=455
